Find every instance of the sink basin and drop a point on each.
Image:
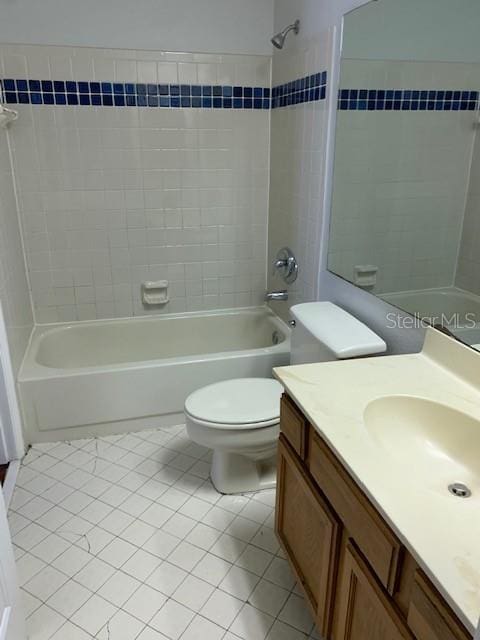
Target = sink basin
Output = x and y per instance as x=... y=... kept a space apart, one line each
x=438 y=444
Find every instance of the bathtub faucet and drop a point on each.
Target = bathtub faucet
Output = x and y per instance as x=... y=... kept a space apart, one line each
x=276 y=296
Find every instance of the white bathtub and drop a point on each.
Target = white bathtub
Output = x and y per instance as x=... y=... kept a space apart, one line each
x=457 y=309
x=442 y=303
x=112 y=376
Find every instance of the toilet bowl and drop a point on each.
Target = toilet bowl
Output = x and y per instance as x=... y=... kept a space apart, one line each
x=239 y=419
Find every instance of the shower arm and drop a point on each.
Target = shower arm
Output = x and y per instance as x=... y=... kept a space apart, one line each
x=295 y=26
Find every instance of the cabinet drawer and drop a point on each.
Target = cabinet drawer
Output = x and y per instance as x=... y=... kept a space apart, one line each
x=293 y=426
x=373 y=537
x=429 y=617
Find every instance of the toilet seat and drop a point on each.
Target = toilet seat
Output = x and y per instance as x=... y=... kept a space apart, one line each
x=249 y=403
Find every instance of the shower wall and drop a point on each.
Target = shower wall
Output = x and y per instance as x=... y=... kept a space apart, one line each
x=14 y=293
x=136 y=166
x=298 y=131
x=402 y=169
x=468 y=267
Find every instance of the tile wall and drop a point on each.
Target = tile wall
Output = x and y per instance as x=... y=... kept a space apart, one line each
x=401 y=170
x=468 y=267
x=112 y=196
x=297 y=167
x=14 y=294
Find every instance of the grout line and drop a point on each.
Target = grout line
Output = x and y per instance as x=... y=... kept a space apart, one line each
x=246 y=499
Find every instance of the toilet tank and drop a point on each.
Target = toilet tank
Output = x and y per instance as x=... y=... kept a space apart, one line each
x=324 y=332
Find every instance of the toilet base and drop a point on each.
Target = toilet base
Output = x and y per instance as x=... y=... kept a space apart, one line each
x=233 y=473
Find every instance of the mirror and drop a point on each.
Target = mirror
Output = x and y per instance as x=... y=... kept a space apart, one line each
x=405 y=221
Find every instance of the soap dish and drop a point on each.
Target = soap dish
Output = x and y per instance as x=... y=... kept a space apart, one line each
x=155 y=292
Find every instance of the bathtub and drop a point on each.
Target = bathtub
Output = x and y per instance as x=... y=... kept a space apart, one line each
x=110 y=376
x=457 y=309
x=443 y=302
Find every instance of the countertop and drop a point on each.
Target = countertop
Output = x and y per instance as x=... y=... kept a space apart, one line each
x=441 y=531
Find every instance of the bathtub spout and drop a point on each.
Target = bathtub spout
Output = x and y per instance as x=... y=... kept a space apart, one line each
x=276 y=296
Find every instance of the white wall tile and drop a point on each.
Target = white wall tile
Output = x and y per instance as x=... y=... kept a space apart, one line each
x=398 y=175
x=468 y=268
x=295 y=209
x=118 y=195
x=14 y=295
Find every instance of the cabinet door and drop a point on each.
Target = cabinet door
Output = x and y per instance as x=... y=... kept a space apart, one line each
x=364 y=610
x=309 y=534
x=429 y=617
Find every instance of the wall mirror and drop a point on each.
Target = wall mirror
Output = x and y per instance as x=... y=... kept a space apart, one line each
x=405 y=222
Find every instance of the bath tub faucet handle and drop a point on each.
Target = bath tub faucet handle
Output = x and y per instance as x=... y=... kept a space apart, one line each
x=286 y=265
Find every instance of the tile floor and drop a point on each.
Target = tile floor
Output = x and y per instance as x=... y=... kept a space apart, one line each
x=125 y=538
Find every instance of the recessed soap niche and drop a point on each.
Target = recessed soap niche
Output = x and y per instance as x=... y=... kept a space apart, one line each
x=155 y=293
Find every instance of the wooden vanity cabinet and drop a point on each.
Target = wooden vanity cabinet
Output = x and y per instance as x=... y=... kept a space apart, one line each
x=429 y=616
x=378 y=544
x=359 y=580
x=309 y=533
x=294 y=426
x=364 y=610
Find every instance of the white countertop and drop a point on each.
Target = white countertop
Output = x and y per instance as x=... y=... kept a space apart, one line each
x=441 y=531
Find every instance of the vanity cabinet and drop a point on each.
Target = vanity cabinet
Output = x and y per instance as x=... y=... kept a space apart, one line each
x=361 y=583
x=309 y=532
x=428 y=615
x=377 y=542
x=364 y=610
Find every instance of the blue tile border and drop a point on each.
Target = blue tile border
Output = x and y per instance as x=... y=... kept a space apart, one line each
x=407 y=100
x=308 y=89
x=124 y=94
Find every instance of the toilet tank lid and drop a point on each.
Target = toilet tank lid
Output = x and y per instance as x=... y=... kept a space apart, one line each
x=339 y=331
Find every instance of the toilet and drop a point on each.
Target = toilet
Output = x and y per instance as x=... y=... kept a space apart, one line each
x=240 y=419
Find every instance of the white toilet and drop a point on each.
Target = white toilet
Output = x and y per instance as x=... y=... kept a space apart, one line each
x=239 y=419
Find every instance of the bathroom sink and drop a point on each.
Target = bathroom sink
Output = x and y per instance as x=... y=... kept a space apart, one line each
x=438 y=444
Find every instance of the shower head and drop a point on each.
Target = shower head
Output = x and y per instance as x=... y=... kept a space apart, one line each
x=278 y=40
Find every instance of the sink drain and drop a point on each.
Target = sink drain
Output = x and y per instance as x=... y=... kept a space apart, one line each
x=459 y=490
